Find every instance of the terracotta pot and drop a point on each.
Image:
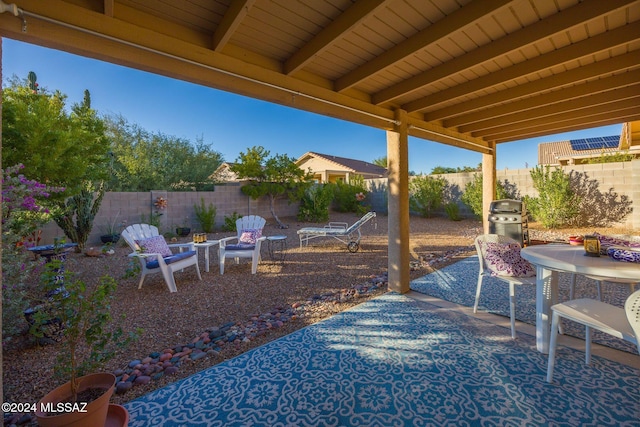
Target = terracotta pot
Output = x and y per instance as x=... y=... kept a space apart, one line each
x=95 y=412
x=118 y=416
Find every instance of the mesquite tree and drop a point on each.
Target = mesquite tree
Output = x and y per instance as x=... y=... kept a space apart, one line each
x=275 y=177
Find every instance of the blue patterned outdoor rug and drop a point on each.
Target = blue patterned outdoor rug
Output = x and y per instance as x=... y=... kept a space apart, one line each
x=395 y=361
x=457 y=283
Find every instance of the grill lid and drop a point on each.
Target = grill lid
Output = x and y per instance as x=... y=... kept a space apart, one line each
x=506 y=206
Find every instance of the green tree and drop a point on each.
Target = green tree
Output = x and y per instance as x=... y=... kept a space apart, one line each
x=472 y=195
x=381 y=161
x=426 y=194
x=556 y=204
x=143 y=161
x=58 y=148
x=274 y=177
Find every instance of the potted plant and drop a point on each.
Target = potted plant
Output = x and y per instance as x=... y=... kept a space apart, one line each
x=183 y=229
x=111 y=231
x=88 y=342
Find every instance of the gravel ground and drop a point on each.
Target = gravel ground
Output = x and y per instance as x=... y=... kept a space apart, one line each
x=171 y=319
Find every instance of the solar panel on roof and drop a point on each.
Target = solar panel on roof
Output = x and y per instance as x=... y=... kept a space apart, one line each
x=594 y=143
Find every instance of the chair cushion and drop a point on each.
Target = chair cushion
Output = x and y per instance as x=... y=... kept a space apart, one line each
x=250 y=236
x=154 y=245
x=170 y=259
x=240 y=247
x=503 y=259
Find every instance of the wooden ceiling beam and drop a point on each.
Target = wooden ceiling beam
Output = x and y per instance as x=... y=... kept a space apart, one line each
x=587 y=47
x=620 y=99
x=594 y=122
x=230 y=22
x=604 y=117
x=573 y=76
x=531 y=106
x=325 y=38
x=108 y=8
x=456 y=21
x=562 y=21
x=159 y=53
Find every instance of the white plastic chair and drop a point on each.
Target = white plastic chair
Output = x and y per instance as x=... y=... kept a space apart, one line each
x=165 y=265
x=594 y=314
x=239 y=250
x=511 y=281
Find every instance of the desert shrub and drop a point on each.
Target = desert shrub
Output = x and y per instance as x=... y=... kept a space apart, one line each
x=230 y=222
x=314 y=205
x=426 y=194
x=453 y=211
x=472 y=195
x=206 y=216
x=350 y=197
x=557 y=204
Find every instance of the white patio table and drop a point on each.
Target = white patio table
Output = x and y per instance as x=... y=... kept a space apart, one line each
x=206 y=245
x=553 y=258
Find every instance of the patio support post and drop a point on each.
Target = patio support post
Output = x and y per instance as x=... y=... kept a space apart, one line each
x=398 y=205
x=488 y=184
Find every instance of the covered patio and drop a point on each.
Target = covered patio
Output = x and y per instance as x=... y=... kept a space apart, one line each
x=471 y=74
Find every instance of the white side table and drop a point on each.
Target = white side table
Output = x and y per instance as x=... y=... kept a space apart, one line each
x=277 y=246
x=206 y=245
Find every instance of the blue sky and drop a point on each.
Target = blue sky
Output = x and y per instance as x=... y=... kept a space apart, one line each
x=231 y=123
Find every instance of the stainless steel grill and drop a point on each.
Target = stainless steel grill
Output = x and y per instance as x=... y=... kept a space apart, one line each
x=508 y=217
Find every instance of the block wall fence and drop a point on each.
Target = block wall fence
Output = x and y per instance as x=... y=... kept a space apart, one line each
x=134 y=207
x=622 y=178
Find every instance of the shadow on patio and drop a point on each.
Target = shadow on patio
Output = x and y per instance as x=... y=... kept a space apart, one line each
x=401 y=360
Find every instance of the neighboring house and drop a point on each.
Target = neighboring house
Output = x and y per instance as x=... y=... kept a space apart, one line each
x=578 y=151
x=224 y=173
x=327 y=168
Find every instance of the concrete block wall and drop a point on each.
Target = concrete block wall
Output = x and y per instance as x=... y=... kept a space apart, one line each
x=622 y=178
x=136 y=207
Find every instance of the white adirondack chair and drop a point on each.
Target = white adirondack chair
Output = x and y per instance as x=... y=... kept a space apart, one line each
x=240 y=249
x=152 y=263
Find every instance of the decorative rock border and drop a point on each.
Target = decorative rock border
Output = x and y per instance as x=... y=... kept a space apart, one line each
x=212 y=341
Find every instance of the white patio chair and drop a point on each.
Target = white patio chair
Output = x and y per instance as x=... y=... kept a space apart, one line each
x=155 y=256
x=512 y=281
x=594 y=314
x=249 y=240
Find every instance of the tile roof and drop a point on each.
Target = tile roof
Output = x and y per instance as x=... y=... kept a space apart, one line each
x=549 y=153
x=359 y=166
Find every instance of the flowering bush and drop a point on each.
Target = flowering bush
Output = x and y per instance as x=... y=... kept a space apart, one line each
x=21 y=212
x=22 y=215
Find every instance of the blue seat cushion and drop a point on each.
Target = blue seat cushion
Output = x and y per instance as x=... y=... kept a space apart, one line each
x=171 y=259
x=240 y=247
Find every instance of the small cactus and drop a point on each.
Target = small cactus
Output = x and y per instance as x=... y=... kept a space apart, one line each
x=33 y=85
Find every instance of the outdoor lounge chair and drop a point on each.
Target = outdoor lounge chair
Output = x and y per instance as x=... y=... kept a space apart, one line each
x=249 y=241
x=349 y=235
x=155 y=256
